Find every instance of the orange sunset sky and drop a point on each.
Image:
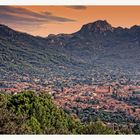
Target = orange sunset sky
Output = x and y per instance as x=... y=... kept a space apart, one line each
x=44 y=20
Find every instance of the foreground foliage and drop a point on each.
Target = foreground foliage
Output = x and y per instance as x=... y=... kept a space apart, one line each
x=32 y=113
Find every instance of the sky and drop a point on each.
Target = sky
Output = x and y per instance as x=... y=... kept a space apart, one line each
x=45 y=20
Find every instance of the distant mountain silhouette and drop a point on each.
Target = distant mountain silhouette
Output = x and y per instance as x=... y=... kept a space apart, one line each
x=97 y=48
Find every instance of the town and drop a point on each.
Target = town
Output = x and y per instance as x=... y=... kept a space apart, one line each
x=116 y=101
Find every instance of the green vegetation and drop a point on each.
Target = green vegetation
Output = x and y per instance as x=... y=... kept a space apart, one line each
x=119 y=117
x=136 y=129
x=96 y=128
x=35 y=113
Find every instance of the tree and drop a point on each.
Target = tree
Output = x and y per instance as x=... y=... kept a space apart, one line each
x=35 y=113
x=136 y=129
x=97 y=127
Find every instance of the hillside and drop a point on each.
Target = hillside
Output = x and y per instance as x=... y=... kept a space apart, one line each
x=35 y=113
x=97 y=48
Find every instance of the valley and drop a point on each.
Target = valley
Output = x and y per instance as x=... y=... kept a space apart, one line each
x=93 y=73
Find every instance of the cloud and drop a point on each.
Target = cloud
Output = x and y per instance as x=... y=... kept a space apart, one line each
x=77 y=7
x=22 y=16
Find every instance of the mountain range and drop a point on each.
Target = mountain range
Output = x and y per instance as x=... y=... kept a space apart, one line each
x=95 y=50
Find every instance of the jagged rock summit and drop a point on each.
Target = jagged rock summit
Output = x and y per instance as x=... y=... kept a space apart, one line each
x=99 y=26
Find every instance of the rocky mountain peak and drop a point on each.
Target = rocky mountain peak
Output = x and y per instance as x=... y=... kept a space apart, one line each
x=99 y=26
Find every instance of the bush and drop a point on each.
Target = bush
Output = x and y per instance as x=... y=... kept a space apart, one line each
x=32 y=113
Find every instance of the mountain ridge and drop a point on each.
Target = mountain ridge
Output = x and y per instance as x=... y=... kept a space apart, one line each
x=101 y=25
x=97 y=48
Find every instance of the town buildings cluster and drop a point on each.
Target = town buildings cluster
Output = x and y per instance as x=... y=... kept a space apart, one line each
x=111 y=97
